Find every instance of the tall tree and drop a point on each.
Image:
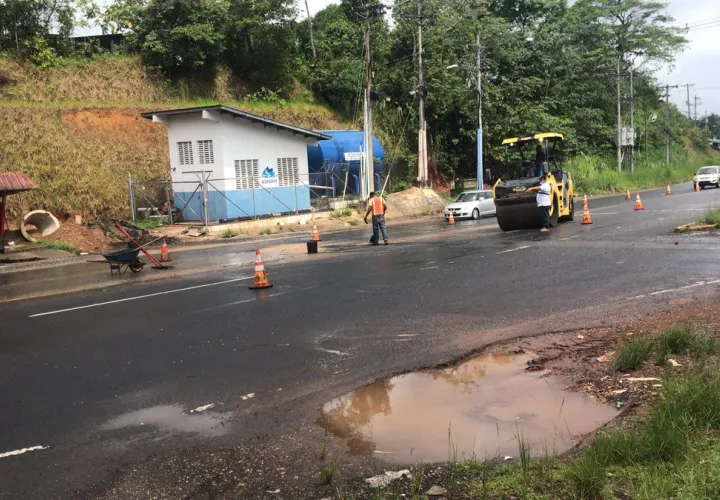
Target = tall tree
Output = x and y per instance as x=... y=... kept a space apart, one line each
x=183 y=35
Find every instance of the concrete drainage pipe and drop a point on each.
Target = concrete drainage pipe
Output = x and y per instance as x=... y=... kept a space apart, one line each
x=38 y=223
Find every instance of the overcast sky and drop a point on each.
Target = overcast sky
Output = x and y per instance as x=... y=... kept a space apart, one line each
x=699 y=64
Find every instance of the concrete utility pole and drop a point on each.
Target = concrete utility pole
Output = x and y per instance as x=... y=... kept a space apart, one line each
x=422 y=128
x=687 y=86
x=667 y=122
x=619 y=120
x=366 y=170
x=697 y=101
x=478 y=84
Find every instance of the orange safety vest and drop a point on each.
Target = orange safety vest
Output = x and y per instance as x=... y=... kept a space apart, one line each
x=378 y=206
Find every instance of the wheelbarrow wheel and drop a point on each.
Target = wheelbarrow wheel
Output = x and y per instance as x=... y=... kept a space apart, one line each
x=136 y=266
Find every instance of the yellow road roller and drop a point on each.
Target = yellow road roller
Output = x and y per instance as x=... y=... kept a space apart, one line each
x=529 y=158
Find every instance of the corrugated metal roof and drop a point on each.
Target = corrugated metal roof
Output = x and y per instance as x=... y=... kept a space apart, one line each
x=12 y=182
x=241 y=114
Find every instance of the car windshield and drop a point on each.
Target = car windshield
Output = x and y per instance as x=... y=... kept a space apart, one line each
x=707 y=170
x=464 y=197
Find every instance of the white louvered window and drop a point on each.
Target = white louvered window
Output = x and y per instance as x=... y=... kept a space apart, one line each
x=205 y=152
x=246 y=174
x=185 y=153
x=287 y=169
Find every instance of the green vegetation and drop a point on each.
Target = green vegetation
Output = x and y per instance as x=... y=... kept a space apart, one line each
x=266 y=231
x=354 y=222
x=632 y=354
x=71 y=109
x=595 y=175
x=58 y=246
x=147 y=225
x=345 y=212
x=229 y=233
x=712 y=216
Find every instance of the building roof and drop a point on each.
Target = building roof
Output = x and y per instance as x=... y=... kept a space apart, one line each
x=11 y=183
x=236 y=113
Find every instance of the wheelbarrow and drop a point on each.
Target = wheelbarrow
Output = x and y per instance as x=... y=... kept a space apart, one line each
x=122 y=260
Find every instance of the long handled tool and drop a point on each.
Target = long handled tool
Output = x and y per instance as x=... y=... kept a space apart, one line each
x=158 y=265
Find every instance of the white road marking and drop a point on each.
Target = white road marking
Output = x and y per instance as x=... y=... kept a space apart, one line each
x=570 y=237
x=339 y=353
x=248 y=396
x=513 y=250
x=200 y=409
x=670 y=290
x=431 y=267
x=24 y=450
x=140 y=297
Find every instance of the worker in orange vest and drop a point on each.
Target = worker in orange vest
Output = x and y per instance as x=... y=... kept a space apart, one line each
x=378 y=207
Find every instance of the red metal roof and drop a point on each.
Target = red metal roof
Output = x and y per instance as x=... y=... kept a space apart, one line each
x=12 y=183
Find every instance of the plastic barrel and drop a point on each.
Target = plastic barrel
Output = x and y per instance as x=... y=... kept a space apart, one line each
x=312 y=247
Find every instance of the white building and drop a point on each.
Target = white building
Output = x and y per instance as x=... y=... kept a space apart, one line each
x=251 y=166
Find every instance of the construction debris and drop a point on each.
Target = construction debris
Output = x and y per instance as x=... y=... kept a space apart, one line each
x=383 y=480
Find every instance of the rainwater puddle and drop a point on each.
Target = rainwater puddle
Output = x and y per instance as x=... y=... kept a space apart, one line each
x=475 y=408
x=171 y=418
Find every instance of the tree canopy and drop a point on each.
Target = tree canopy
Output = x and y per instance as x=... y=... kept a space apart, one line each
x=545 y=64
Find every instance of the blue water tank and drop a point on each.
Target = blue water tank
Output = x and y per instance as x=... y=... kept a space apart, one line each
x=331 y=159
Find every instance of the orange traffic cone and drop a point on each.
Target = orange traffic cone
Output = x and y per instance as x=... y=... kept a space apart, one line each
x=668 y=191
x=164 y=254
x=586 y=216
x=585 y=201
x=638 y=203
x=315 y=234
x=628 y=196
x=451 y=220
x=697 y=187
x=260 y=281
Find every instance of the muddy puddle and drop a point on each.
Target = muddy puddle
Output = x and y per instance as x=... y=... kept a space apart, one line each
x=476 y=408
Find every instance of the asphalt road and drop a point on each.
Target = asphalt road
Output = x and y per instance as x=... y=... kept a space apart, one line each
x=78 y=368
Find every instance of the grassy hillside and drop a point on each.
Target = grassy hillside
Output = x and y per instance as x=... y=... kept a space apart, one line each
x=75 y=129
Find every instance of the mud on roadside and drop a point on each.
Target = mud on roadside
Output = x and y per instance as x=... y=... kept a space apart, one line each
x=311 y=463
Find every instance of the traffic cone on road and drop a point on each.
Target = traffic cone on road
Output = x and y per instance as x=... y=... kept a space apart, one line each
x=586 y=216
x=697 y=187
x=628 y=196
x=638 y=203
x=315 y=234
x=585 y=201
x=668 y=191
x=451 y=220
x=164 y=254
x=260 y=280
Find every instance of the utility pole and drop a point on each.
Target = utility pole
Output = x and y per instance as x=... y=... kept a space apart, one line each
x=478 y=84
x=687 y=86
x=367 y=170
x=312 y=41
x=619 y=120
x=632 y=123
x=697 y=101
x=667 y=122
x=422 y=129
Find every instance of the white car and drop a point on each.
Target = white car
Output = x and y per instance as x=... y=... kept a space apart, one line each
x=707 y=176
x=471 y=205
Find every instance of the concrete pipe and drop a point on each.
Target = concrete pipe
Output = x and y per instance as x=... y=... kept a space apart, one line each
x=44 y=223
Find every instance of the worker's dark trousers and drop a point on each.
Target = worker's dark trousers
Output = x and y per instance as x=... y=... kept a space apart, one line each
x=378 y=227
x=545 y=212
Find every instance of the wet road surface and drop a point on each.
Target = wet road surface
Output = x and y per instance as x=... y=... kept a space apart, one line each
x=94 y=380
